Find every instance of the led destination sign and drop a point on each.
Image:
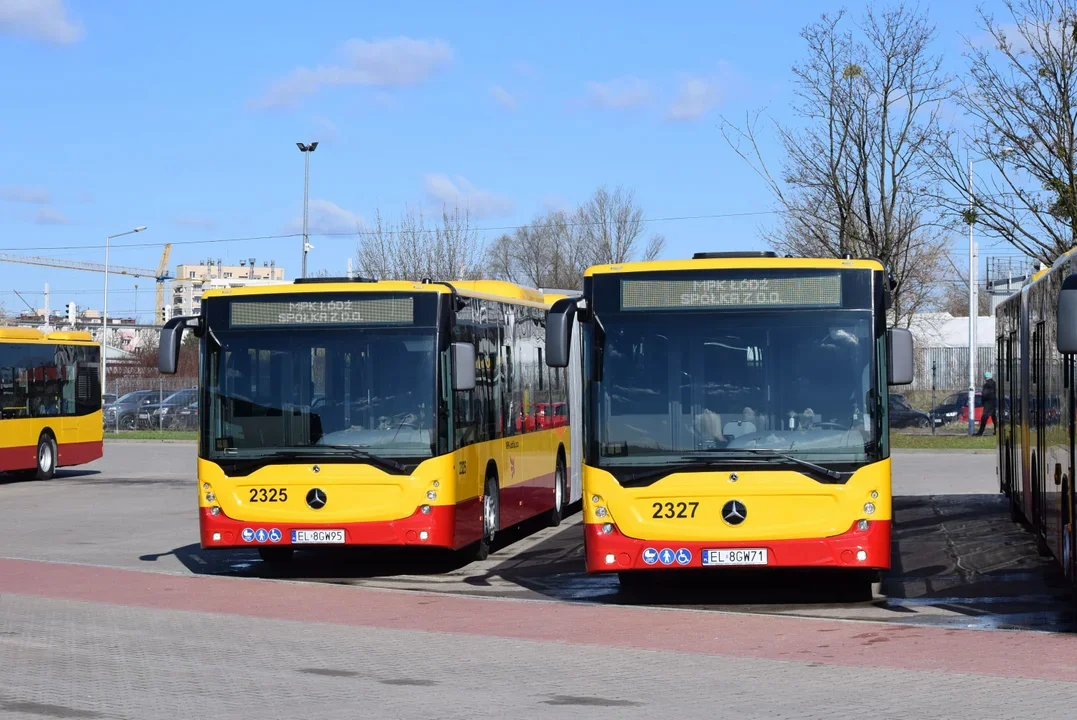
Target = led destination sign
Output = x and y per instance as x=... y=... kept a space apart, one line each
x=373 y=311
x=820 y=291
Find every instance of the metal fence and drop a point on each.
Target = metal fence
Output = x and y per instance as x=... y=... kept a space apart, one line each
x=947 y=368
x=133 y=397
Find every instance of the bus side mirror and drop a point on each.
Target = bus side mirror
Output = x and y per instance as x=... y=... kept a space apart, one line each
x=1067 y=316
x=559 y=331
x=463 y=366
x=169 y=348
x=899 y=346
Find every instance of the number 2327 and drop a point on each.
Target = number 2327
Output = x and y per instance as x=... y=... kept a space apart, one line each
x=681 y=510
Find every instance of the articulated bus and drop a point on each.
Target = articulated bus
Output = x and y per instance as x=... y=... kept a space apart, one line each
x=1036 y=335
x=343 y=412
x=50 y=401
x=735 y=412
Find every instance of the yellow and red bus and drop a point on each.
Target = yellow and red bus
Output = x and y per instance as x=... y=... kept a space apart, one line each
x=50 y=401
x=356 y=412
x=735 y=412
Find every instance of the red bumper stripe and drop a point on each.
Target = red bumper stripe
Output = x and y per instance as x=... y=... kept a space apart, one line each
x=839 y=551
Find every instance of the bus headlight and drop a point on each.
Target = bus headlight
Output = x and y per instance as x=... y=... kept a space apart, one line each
x=869 y=508
x=874 y=494
x=600 y=512
x=210 y=497
x=610 y=558
x=425 y=509
x=607 y=528
x=596 y=499
x=205 y=486
x=214 y=510
x=861 y=555
x=431 y=495
x=436 y=483
x=862 y=525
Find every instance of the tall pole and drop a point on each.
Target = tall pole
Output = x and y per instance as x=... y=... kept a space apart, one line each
x=104 y=325
x=306 y=190
x=104 y=309
x=972 y=313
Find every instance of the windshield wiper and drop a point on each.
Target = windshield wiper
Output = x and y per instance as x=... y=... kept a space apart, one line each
x=647 y=477
x=817 y=470
x=383 y=463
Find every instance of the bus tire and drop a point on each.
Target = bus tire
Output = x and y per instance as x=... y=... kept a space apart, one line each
x=276 y=555
x=491 y=516
x=560 y=491
x=47 y=457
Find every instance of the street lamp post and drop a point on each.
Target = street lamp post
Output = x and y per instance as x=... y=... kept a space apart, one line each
x=104 y=309
x=306 y=150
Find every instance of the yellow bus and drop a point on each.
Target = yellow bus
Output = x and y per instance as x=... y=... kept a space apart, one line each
x=355 y=412
x=735 y=412
x=50 y=401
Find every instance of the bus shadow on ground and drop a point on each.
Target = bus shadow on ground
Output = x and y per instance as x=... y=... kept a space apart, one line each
x=957 y=560
x=351 y=565
x=61 y=474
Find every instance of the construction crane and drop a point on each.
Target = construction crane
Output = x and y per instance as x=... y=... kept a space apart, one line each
x=161 y=276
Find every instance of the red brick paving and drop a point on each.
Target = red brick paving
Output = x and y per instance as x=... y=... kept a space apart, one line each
x=853 y=644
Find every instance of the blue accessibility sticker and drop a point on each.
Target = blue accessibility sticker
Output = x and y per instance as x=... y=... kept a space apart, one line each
x=261 y=535
x=248 y=535
x=650 y=556
x=666 y=556
x=274 y=535
x=684 y=556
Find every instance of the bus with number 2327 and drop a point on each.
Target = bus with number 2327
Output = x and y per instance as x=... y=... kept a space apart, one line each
x=735 y=412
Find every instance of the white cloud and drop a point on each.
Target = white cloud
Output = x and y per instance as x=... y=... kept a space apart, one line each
x=44 y=20
x=195 y=222
x=50 y=216
x=504 y=98
x=622 y=93
x=24 y=193
x=324 y=216
x=694 y=98
x=392 y=62
x=459 y=193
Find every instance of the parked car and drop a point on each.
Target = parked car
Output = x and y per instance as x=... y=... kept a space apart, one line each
x=955 y=408
x=184 y=418
x=108 y=398
x=156 y=415
x=124 y=412
x=903 y=415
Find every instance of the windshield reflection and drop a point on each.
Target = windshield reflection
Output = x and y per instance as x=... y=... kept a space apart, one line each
x=801 y=383
x=285 y=391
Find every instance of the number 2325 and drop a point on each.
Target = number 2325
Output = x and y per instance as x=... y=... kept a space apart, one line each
x=681 y=510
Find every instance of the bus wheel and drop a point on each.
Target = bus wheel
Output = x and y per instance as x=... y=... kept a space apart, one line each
x=276 y=555
x=46 y=457
x=560 y=492
x=491 y=518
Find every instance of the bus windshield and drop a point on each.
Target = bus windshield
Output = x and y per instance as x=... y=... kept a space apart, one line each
x=684 y=387
x=277 y=392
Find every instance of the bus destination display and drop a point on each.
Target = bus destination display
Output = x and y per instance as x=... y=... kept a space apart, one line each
x=821 y=291
x=373 y=311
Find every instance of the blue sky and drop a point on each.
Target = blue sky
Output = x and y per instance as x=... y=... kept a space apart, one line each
x=184 y=117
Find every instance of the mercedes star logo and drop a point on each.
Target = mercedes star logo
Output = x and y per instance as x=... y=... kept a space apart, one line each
x=316 y=499
x=734 y=512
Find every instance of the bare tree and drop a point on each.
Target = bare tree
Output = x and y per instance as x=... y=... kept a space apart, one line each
x=412 y=251
x=611 y=225
x=1022 y=95
x=856 y=174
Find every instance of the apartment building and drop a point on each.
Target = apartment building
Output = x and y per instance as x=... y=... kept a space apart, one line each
x=191 y=279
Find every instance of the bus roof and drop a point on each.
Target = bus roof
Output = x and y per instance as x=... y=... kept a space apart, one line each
x=736 y=263
x=12 y=334
x=490 y=289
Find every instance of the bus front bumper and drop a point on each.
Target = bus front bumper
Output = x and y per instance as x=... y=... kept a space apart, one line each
x=434 y=529
x=854 y=549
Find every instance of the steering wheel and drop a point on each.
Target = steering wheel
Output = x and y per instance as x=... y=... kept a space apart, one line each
x=828 y=426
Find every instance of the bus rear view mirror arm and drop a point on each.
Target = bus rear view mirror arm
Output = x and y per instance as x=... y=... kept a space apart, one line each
x=171 y=339
x=559 y=331
x=463 y=366
x=1067 y=316
x=899 y=347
